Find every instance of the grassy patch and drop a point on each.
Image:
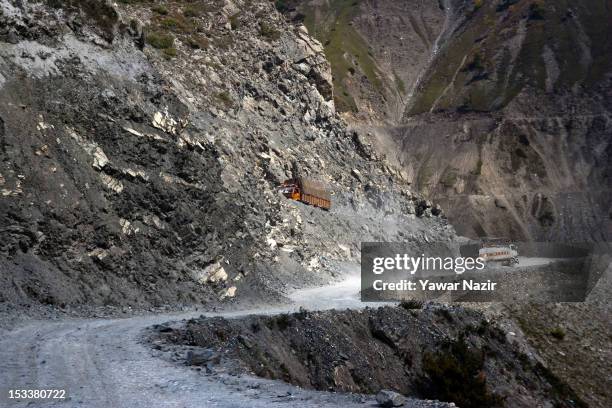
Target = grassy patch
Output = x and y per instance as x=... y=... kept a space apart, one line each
x=425 y=175
x=160 y=40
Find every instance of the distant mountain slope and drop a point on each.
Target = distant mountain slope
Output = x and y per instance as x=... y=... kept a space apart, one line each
x=506 y=111
x=494 y=50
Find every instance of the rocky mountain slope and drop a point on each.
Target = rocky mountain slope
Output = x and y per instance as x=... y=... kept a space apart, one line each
x=504 y=110
x=141 y=148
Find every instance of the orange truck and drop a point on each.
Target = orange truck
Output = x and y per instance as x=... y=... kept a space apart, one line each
x=307 y=191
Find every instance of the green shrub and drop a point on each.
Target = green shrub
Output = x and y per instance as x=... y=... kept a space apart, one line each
x=170 y=22
x=558 y=333
x=170 y=52
x=456 y=374
x=160 y=40
x=476 y=64
x=283 y=321
x=224 y=98
x=234 y=20
x=281 y=5
x=536 y=11
x=269 y=32
x=411 y=304
x=192 y=12
x=159 y=9
x=445 y=313
x=198 y=42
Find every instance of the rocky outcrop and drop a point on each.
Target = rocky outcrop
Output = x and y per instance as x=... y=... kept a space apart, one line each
x=142 y=145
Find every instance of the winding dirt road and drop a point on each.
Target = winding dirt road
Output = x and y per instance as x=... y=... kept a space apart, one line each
x=103 y=363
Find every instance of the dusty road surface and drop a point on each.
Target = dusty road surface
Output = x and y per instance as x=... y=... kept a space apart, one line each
x=102 y=363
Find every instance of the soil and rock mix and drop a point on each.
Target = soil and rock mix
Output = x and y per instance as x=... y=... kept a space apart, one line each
x=142 y=144
x=445 y=353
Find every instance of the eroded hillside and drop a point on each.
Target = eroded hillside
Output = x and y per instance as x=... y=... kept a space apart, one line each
x=142 y=145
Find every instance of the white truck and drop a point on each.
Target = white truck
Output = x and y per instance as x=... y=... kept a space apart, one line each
x=499 y=251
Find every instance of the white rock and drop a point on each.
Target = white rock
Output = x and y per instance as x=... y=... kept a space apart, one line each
x=230 y=292
x=111 y=183
x=164 y=122
x=345 y=249
x=215 y=273
x=271 y=242
x=100 y=159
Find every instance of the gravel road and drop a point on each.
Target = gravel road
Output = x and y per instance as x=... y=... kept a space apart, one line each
x=102 y=363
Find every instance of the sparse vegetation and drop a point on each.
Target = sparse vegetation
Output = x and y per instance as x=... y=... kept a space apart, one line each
x=281 y=321
x=235 y=20
x=536 y=11
x=223 y=41
x=160 y=9
x=269 y=32
x=558 y=333
x=456 y=374
x=478 y=169
x=103 y=16
x=224 y=99
x=445 y=313
x=282 y=5
x=169 y=52
x=411 y=304
x=160 y=40
x=170 y=22
x=401 y=85
x=449 y=178
x=476 y=64
x=191 y=11
x=198 y=42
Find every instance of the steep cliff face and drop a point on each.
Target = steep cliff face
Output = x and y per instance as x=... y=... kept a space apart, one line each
x=506 y=115
x=142 y=144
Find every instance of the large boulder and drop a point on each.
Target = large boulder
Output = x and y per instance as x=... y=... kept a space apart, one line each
x=388 y=399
